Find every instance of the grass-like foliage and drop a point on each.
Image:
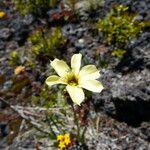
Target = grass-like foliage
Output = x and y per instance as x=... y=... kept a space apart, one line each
x=34 y=6
x=119 y=26
x=44 y=43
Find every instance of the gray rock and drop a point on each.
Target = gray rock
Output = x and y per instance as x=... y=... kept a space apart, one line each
x=5 y=33
x=28 y=19
x=2 y=45
x=7 y=85
x=80 y=44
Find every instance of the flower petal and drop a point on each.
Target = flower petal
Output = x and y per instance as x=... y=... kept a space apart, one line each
x=76 y=63
x=60 y=67
x=51 y=80
x=76 y=94
x=89 y=72
x=92 y=85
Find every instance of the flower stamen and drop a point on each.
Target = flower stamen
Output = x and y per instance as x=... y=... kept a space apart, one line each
x=72 y=79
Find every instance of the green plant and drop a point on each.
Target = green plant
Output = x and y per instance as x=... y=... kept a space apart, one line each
x=14 y=58
x=118 y=53
x=46 y=44
x=119 y=26
x=34 y=6
x=45 y=98
x=75 y=80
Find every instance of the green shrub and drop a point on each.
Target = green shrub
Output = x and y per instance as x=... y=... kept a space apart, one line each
x=119 y=26
x=34 y=6
x=45 y=44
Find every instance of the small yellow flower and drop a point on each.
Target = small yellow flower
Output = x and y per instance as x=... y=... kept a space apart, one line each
x=19 y=69
x=64 y=141
x=59 y=137
x=61 y=145
x=74 y=78
x=2 y=14
x=67 y=139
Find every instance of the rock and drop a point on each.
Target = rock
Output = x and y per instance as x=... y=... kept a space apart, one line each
x=2 y=105
x=80 y=44
x=139 y=18
x=19 y=30
x=4 y=130
x=28 y=19
x=5 y=33
x=2 y=45
x=137 y=56
x=126 y=97
x=7 y=85
x=145 y=129
x=11 y=45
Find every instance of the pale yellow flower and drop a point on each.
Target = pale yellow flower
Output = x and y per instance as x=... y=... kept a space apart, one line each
x=74 y=78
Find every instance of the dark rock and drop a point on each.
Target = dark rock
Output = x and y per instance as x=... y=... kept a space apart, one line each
x=139 y=18
x=7 y=85
x=130 y=95
x=80 y=44
x=68 y=29
x=2 y=45
x=3 y=105
x=5 y=33
x=13 y=45
x=28 y=19
x=3 y=130
x=20 y=30
x=145 y=129
x=137 y=56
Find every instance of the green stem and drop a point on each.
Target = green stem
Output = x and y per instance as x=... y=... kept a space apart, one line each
x=51 y=129
x=76 y=122
x=83 y=135
x=55 y=124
